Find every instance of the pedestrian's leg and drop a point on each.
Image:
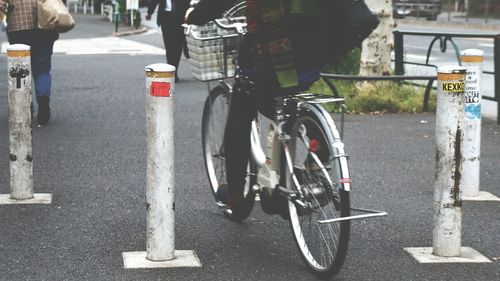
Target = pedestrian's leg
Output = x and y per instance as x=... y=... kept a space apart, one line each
x=41 y=57
x=173 y=38
x=180 y=42
x=165 y=33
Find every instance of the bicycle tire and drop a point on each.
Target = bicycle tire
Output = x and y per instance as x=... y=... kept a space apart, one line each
x=214 y=119
x=325 y=200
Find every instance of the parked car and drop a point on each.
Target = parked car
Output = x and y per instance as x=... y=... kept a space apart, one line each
x=428 y=9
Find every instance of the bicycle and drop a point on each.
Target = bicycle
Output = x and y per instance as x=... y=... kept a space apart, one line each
x=305 y=163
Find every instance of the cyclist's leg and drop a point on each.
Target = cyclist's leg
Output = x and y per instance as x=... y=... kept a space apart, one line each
x=272 y=201
x=237 y=139
x=246 y=100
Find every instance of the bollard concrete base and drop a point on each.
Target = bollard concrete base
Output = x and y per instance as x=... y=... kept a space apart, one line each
x=467 y=255
x=38 y=198
x=183 y=258
x=482 y=196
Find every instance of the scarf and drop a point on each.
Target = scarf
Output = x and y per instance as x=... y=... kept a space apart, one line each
x=267 y=20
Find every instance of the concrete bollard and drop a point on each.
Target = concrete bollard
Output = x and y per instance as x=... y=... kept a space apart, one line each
x=447 y=213
x=20 y=137
x=160 y=245
x=472 y=59
x=21 y=146
x=160 y=86
x=447 y=219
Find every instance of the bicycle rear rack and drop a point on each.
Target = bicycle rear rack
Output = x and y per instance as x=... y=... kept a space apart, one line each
x=371 y=214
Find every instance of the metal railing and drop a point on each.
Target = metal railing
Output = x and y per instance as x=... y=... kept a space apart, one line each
x=444 y=38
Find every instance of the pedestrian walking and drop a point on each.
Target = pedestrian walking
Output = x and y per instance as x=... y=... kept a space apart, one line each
x=22 y=28
x=170 y=18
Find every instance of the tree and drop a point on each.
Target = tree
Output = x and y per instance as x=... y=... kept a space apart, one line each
x=376 y=49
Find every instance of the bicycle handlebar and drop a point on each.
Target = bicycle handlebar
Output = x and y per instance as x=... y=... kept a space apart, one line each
x=235 y=12
x=239 y=27
x=188 y=30
x=236 y=9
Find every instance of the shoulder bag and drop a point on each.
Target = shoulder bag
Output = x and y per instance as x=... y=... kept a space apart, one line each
x=53 y=15
x=345 y=24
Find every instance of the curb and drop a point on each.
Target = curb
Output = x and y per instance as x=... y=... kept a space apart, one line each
x=130 y=32
x=450 y=24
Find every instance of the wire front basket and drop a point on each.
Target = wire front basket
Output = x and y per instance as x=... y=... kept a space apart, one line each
x=213 y=50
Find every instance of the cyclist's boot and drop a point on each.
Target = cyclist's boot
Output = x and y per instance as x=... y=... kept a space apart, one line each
x=222 y=193
x=237 y=208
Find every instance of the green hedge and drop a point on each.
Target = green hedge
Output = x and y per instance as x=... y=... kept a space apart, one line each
x=373 y=97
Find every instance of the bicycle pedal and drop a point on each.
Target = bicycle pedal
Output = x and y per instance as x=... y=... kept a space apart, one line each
x=221 y=205
x=285 y=191
x=302 y=207
x=256 y=188
x=228 y=212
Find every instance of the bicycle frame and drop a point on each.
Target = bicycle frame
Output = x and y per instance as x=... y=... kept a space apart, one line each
x=268 y=165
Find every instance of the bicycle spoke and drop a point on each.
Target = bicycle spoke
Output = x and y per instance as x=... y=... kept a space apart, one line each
x=322 y=213
x=313 y=224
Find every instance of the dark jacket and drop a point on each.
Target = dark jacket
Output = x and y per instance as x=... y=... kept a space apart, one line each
x=180 y=9
x=304 y=35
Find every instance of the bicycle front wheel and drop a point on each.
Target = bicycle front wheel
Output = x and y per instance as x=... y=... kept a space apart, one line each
x=215 y=114
x=320 y=172
x=214 y=119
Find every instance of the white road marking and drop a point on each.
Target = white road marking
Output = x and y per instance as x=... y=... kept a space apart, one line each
x=418 y=57
x=413 y=47
x=150 y=31
x=487 y=45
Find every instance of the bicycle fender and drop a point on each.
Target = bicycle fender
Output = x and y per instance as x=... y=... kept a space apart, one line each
x=326 y=121
x=258 y=155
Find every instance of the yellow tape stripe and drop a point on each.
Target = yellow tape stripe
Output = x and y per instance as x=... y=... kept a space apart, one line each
x=450 y=76
x=471 y=59
x=152 y=74
x=14 y=53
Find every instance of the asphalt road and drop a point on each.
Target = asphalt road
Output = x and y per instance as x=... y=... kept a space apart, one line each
x=91 y=158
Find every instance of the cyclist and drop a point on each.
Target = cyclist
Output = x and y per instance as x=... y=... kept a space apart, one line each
x=278 y=56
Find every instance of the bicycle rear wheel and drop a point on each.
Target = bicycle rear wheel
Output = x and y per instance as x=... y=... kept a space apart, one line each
x=320 y=166
x=215 y=113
